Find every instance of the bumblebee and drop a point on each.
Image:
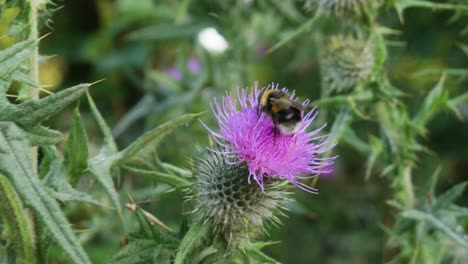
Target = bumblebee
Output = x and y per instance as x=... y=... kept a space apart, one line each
x=285 y=113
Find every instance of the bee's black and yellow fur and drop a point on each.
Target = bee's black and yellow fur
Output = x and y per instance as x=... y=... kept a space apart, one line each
x=285 y=113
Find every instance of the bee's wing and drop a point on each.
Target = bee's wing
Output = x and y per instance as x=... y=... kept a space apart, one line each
x=297 y=105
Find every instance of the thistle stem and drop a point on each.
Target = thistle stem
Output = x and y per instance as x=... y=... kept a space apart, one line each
x=34 y=59
x=33 y=95
x=33 y=65
x=408 y=186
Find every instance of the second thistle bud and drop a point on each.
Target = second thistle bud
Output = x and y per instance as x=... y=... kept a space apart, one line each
x=346 y=61
x=340 y=7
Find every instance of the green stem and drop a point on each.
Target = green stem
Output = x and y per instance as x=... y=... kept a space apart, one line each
x=34 y=59
x=34 y=64
x=33 y=93
x=408 y=186
x=16 y=226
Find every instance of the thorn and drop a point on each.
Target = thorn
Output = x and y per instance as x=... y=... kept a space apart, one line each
x=389 y=31
x=131 y=198
x=43 y=37
x=119 y=212
x=82 y=230
x=132 y=207
x=146 y=201
x=96 y=82
x=12 y=95
x=45 y=90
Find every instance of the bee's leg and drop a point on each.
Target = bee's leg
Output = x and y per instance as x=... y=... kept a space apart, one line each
x=259 y=112
x=275 y=132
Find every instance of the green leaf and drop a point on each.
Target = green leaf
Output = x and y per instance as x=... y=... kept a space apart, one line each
x=140 y=150
x=18 y=24
x=136 y=252
x=435 y=100
x=433 y=181
x=68 y=194
x=12 y=57
x=43 y=242
x=448 y=197
x=165 y=31
x=56 y=179
x=100 y=167
x=380 y=52
x=149 y=230
x=402 y=5
x=144 y=246
x=453 y=103
x=464 y=47
x=16 y=227
x=438 y=224
x=376 y=149
x=76 y=149
x=106 y=131
x=172 y=179
x=305 y=27
x=43 y=136
x=206 y=253
x=194 y=234
x=16 y=165
x=458 y=211
x=23 y=77
x=31 y=113
x=392 y=120
x=259 y=255
x=262 y=244
x=462 y=72
x=351 y=138
x=341 y=123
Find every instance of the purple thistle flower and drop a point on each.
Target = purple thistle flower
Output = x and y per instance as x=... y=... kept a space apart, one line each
x=247 y=135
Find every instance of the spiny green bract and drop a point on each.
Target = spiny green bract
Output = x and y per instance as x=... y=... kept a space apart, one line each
x=236 y=209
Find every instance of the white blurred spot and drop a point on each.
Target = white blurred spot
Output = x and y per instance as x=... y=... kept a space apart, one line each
x=212 y=41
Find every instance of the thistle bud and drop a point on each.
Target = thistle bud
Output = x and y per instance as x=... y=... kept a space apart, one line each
x=345 y=62
x=237 y=210
x=340 y=7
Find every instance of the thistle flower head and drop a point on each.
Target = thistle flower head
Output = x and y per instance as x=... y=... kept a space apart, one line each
x=248 y=137
x=236 y=209
x=345 y=61
x=340 y=7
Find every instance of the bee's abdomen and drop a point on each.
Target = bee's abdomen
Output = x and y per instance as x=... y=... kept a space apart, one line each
x=289 y=115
